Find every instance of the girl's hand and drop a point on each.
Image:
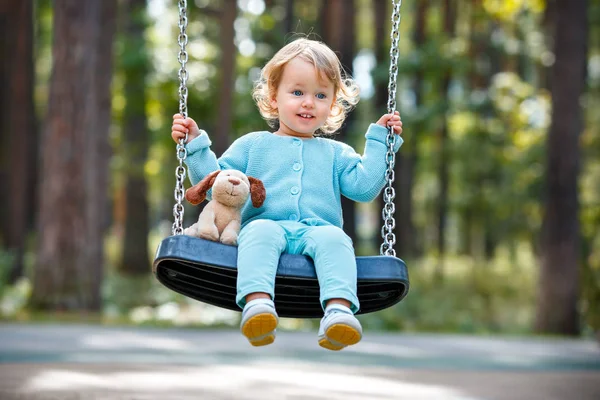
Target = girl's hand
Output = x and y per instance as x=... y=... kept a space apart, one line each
x=182 y=126
x=392 y=120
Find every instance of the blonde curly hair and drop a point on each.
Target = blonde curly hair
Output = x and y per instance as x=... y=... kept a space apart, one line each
x=326 y=63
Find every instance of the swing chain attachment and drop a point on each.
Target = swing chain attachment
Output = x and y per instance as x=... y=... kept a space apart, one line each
x=180 y=171
x=389 y=194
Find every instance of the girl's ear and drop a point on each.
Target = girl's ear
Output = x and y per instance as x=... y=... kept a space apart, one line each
x=273 y=103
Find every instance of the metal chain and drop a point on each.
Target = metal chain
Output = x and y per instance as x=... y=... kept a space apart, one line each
x=180 y=171
x=389 y=194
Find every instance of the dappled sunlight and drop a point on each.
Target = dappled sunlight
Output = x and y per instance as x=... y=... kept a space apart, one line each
x=452 y=352
x=83 y=361
x=395 y=350
x=508 y=9
x=185 y=313
x=14 y=298
x=269 y=380
x=133 y=340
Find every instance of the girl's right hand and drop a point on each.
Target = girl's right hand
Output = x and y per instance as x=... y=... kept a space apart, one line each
x=182 y=126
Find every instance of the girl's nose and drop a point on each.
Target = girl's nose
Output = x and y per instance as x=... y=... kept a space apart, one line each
x=307 y=103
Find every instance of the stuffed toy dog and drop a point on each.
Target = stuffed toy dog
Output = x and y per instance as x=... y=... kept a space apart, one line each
x=221 y=218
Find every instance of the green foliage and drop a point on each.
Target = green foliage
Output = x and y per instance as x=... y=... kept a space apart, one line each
x=497 y=297
x=6 y=261
x=13 y=298
x=590 y=271
x=508 y=10
x=121 y=293
x=506 y=131
x=497 y=110
x=591 y=290
x=144 y=301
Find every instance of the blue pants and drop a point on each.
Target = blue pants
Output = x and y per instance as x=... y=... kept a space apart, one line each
x=261 y=242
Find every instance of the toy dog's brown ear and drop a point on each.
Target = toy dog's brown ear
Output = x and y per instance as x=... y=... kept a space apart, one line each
x=197 y=193
x=257 y=192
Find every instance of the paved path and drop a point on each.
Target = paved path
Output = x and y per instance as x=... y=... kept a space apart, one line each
x=100 y=363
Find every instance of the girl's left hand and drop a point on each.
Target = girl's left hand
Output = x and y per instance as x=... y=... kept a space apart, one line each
x=392 y=120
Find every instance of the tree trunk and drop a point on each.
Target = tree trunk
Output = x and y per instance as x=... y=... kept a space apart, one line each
x=228 y=53
x=69 y=266
x=288 y=24
x=18 y=127
x=381 y=45
x=339 y=33
x=560 y=261
x=479 y=75
x=444 y=156
x=406 y=159
x=135 y=259
x=98 y=147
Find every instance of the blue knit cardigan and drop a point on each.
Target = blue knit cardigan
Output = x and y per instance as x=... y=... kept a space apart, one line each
x=304 y=178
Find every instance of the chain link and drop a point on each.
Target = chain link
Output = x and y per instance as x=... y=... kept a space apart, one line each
x=389 y=194
x=180 y=171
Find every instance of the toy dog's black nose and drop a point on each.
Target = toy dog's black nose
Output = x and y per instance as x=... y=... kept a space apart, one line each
x=234 y=181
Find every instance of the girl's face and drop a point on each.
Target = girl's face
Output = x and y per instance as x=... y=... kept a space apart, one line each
x=303 y=100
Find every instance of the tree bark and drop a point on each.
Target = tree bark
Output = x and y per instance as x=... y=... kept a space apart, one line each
x=288 y=24
x=18 y=127
x=406 y=159
x=135 y=256
x=444 y=156
x=228 y=53
x=474 y=214
x=557 y=310
x=339 y=33
x=69 y=267
x=381 y=45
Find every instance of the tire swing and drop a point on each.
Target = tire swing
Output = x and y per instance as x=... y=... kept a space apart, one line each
x=207 y=271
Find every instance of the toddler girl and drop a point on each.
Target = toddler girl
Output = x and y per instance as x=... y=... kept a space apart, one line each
x=302 y=93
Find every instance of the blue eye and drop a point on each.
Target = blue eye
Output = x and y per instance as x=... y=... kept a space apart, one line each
x=321 y=96
x=297 y=93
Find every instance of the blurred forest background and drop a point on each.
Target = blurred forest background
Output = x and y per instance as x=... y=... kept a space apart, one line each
x=498 y=182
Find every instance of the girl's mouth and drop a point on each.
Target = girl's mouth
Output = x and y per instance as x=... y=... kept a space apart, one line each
x=305 y=116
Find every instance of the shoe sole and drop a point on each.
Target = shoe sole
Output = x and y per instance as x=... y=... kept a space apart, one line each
x=326 y=344
x=259 y=329
x=339 y=336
